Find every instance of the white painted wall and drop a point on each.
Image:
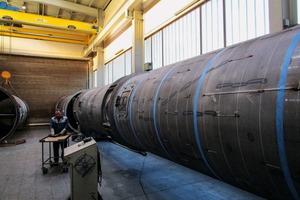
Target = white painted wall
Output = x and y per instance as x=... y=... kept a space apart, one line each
x=124 y=41
x=162 y=12
x=29 y=47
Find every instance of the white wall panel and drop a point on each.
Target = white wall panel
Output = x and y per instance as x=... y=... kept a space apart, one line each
x=148 y=51
x=19 y=46
x=123 y=42
x=110 y=73
x=198 y=32
x=251 y=28
x=95 y=77
x=157 y=60
x=298 y=13
x=170 y=43
x=246 y=19
x=181 y=39
x=118 y=67
x=243 y=20
x=106 y=74
x=262 y=17
x=162 y=12
x=128 y=62
x=212 y=26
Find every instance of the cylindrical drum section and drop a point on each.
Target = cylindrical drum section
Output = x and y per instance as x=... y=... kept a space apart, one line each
x=124 y=98
x=13 y=113
x=66 y=105
x=232 y=114
x=114 y=101
x=88 y=113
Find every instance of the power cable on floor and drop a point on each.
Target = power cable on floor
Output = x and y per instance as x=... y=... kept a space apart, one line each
x=141 y=176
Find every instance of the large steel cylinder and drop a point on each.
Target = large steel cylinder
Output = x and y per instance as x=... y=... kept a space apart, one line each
x=232 y=114
x=13 y=113
x=66 y=105
x=87 y=111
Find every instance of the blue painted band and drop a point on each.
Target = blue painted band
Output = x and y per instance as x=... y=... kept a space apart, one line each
x=196 y=99
x=154 y=110
x=130 y=110
x=280 y=112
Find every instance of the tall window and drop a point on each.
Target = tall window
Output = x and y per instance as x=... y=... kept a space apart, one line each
x=108 y=71
x=157 y=57
x=181 y=39
x=118 y=67
x=246 y=19
x=214 y=25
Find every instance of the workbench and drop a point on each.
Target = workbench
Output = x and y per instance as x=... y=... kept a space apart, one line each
x=49 y=140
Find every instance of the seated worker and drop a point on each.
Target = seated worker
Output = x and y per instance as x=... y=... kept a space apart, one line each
x=58 y=127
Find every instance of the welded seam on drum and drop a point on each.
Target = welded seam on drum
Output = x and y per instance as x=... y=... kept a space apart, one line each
x=115 y=112
x=115 y=116
x=279 y=115
x=154 y=110
x=130 y=109
x=196 y=98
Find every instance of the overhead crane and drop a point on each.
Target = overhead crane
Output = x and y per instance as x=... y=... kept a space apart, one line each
x=25 y=25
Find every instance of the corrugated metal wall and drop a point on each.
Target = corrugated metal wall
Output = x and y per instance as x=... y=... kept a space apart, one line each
x=41 y=82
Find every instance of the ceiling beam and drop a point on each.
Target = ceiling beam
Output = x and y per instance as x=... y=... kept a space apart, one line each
x=70 y=6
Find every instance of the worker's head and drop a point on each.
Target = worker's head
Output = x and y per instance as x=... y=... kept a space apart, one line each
x=58 y=112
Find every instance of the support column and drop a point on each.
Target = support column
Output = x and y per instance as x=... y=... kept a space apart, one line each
x=137 y=42
x=100 y=54
x=90 y=73
x=293 y=12
x=289 y=13
x=275 y=15
x=100 y=18
x=100 y=68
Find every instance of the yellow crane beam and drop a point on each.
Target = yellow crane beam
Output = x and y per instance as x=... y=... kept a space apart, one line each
x=45 y=21
x=44 y=35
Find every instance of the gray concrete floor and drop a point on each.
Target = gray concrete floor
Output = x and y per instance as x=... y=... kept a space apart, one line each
x=126 y=175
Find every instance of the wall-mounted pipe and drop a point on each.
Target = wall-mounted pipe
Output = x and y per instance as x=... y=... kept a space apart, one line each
x=13 y=113
x=232 y=114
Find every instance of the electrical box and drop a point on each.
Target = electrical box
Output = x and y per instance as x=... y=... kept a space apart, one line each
x=147 y=66
x=82 y=158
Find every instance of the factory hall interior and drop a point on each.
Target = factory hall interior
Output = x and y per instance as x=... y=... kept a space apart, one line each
x=149 y=99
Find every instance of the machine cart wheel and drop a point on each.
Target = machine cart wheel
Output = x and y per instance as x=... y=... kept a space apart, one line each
x=49 y=160
x=45 y=170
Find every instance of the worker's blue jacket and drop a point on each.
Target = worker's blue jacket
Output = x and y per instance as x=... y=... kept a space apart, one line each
x=59 y=124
